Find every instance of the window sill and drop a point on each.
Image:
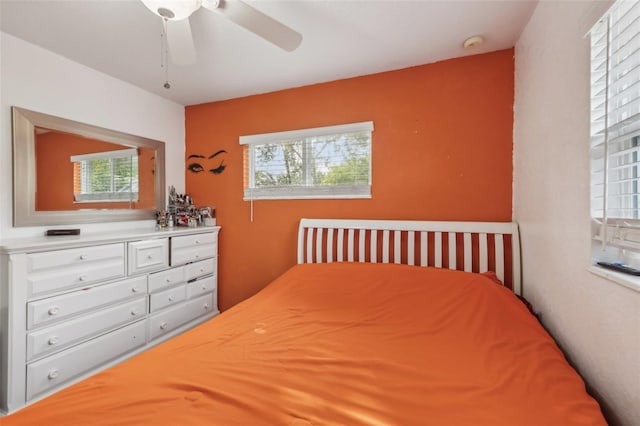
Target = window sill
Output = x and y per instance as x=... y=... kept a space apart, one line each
x=104 y=201
x=630 y=281
x=300 y=192
x=307 y=197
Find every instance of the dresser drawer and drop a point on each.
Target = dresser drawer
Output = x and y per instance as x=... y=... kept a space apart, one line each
x=70 y=277
x=160 y=280
x=148 y=255
x=201 y=286
x=65 y=277
x=190 y=248
x=163 y=322
x=58 y=259
x=67 y=333
x=193 y=240
x=200 y=269
x=57 y=270
x=56 y=308
x=166 y=298
x=172 y=318
x=56 y=369
x=202 y=305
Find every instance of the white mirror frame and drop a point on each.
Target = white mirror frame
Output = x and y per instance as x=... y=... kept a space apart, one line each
x=24 y=171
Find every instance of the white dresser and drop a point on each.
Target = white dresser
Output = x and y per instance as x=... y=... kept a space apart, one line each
x=71 y=306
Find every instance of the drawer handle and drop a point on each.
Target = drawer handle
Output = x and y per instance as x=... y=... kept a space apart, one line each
x=204 y=287
x=82 y=278
x=197 y=241
x=134 y=312
x=201 y=270
x=170 y=298
x=168 y=280
x=149 y=257
x=83 y=257
x=54 y=310
x=163 y=326
x=197 y=256
x=53 y=374
x=53 y=340
x=206 y=306
x=134 y=289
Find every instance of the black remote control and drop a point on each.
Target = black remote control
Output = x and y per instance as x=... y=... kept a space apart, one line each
x=58 y=232
x=620 y=268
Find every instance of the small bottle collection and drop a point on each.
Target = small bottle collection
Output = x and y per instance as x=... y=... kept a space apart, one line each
x=181 y=211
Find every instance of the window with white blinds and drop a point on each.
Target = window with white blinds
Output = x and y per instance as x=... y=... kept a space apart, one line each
x=615 y=121
x=323 y=162
x=110 y=176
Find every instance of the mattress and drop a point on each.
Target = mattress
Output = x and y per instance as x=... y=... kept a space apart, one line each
x=344 y=344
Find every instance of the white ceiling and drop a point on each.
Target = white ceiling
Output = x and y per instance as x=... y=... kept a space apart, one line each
x=341 y=39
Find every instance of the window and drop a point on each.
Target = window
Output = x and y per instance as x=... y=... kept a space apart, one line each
x=615 y=132
x=324 y=162
x=110 y=176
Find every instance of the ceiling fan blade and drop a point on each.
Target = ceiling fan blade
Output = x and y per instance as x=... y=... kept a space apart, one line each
x=180 y=42
x=256 y=22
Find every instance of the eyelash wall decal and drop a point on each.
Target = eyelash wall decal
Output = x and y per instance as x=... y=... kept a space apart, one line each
x=198 y=168
x=218 y=169
x=195 y=168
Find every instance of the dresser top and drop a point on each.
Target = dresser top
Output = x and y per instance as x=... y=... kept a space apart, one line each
x=42 y=243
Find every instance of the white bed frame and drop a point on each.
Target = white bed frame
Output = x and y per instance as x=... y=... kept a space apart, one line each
x=465 y=246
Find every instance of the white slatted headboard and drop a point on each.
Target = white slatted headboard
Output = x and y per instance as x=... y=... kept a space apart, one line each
x=465 y=246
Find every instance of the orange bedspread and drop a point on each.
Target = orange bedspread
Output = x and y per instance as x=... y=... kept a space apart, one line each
x=344 y=344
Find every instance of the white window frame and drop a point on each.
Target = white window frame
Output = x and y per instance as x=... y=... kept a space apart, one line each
x=105 y=197
x=304 y=191
x=615 y=128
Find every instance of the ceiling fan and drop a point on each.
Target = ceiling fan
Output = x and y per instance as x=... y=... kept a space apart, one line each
x=175 y=14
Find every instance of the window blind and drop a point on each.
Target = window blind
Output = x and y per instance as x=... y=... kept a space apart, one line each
x=106 y=176
x=615 y=116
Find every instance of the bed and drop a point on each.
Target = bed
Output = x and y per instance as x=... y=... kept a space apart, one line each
x=379 y=323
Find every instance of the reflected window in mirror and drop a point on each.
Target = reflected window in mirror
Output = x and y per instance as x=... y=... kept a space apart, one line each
x=74 y=172
x=109 y=176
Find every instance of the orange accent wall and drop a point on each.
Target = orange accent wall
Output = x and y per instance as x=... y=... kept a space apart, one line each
x=441 y=150
x=54 y=172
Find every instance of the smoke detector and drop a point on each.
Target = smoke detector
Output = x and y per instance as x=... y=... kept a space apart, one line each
x=473 y=42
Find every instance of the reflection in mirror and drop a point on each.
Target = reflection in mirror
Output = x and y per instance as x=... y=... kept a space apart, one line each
x=67 y=172
x=73 y=173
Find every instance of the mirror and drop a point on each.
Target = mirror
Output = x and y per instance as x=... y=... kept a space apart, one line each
x=66 y=172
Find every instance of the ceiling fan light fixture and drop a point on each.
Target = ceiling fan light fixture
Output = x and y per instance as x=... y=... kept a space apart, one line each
x=173 y=10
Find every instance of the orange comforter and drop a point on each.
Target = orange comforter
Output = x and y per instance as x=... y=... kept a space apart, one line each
x=344 y=344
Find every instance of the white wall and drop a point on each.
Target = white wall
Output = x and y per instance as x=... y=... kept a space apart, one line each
x=39 y=80
x=597 y=322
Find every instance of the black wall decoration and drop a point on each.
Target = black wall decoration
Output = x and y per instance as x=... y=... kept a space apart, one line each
x=195 y=163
